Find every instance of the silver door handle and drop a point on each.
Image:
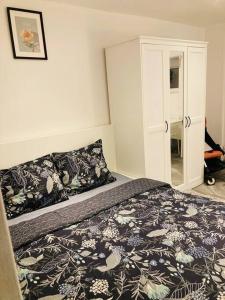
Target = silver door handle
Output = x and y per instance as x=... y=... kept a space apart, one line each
x=167 y=126
x=189 y=121
x=186 y=123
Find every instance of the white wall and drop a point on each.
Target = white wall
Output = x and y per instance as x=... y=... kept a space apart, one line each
x=67 y=92
x=215 y=107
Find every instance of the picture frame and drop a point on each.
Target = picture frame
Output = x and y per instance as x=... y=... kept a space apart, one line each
x=27 y=34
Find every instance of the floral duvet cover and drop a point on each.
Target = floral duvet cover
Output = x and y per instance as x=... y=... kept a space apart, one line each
x=156 y=244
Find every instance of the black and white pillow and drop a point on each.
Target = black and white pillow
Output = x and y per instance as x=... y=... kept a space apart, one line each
x=30 y=186
x=83 y=169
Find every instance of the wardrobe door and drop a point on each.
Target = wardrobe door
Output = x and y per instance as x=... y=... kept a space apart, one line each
x=154 y=118
x=196 y=115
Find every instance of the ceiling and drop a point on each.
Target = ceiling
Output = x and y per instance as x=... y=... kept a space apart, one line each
x=193 y=12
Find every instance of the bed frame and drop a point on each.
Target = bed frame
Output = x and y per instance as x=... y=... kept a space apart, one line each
x=9 y=285
x=19 y=151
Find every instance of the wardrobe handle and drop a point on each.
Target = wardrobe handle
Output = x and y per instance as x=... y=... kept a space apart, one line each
x=186 y=123
x=167 y=126
x=189 y=121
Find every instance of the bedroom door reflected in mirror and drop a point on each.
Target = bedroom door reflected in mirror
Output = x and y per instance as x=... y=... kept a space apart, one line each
x=177 y=116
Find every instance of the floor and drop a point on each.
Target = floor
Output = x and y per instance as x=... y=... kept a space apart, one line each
x=215 y=191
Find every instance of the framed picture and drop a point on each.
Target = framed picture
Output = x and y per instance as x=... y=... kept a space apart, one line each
x=27 y=33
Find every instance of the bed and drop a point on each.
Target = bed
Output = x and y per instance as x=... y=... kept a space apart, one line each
x=132 y=239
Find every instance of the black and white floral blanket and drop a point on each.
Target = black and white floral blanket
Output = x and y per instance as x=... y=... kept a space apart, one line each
x=158 y=244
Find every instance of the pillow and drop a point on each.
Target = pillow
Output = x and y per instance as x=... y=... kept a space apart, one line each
x=30 y=186
x=83 y=169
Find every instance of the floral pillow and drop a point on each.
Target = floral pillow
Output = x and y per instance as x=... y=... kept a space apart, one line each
x=83 y=169
x=30 y=186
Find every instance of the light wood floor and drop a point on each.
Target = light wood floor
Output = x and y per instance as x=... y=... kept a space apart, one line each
x=215 y=191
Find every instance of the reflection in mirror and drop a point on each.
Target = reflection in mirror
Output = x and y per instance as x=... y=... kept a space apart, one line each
x=177 y=116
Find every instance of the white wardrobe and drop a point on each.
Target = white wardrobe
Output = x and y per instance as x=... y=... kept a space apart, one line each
x=157 y=90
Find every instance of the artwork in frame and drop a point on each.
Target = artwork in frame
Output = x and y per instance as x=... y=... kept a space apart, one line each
x=27 y=33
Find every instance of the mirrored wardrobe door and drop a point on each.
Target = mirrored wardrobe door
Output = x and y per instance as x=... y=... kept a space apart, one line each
x=176 y=98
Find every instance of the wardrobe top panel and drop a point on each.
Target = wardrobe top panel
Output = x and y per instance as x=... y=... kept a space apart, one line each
x=164 y=41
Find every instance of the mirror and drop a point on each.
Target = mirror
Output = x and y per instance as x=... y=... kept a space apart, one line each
x=177 y=116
